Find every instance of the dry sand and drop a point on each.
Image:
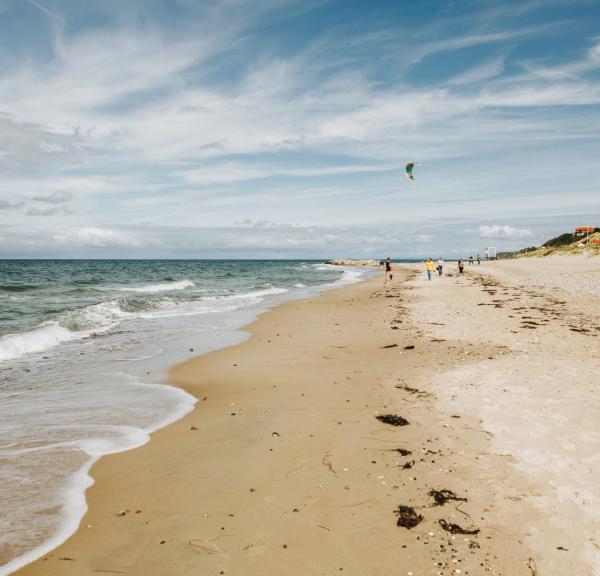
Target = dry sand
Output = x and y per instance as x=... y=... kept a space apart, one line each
x=283 y=467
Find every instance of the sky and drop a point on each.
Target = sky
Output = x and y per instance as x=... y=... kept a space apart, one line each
x=280 y=128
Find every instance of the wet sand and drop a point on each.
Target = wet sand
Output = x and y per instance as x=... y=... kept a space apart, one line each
x=285 y=468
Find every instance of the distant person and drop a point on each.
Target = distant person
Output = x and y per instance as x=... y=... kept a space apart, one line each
x=430 y=267
x=461 y=266
x=388 y=271
x=440 y=265
x=478 y=259
x=471 y=261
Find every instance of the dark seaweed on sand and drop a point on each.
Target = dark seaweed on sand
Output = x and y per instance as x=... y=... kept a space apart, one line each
x=407 y=517
x=403 y=451
x=443 y=496
x=392 y=419
x=456 y=529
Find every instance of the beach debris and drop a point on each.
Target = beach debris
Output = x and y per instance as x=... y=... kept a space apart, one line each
x=443 y=496
x=532 y=567
x=402 y=451
x=410 y=390
x=122 y=512
x=410 y=347
x=408 y=465
x=193 y=428
x=67 y=558
x=407 y=517
x=389 y=346
x=326 y=461
x=191 y=349
x=456 y=529
x=275 y=434
x=163 y=541
x=562 y=548
x=392 y=419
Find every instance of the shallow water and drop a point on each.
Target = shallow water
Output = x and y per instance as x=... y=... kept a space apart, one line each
x=84 y=351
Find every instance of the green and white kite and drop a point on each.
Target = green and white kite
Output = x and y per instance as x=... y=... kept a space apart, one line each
x=408 y=170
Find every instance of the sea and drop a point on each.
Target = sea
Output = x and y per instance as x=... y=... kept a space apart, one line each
x=85 y=349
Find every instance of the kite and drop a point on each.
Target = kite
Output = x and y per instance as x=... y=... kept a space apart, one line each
x=408 y=170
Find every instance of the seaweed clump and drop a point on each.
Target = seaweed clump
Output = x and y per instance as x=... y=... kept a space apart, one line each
x=456 y=529
x=443 y=496
x=407 y=517
x=392 y=419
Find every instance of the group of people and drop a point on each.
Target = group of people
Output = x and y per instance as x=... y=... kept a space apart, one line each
x=461 y=264
x=430 y=267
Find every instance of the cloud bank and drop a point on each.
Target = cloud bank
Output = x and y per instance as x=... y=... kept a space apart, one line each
x=116 y=118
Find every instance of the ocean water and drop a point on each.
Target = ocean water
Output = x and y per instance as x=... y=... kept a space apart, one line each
x=85 y=347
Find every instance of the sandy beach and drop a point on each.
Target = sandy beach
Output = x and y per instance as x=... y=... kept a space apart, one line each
x=483 y=459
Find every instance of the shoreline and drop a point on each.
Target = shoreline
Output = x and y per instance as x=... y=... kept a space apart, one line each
x=283 y=466
x=186 y=506
x=73 y=490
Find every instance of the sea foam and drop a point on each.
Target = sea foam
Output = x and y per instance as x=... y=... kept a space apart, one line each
x=37 y=340
x=154 y=288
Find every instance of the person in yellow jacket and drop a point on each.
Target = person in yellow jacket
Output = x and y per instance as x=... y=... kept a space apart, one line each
x=430 y=267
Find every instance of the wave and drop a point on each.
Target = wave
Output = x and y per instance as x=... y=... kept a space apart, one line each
x=258 y=293
x=153 y=288
x=74 y=504
x=71 y=325
x=37 y=340
x=105 y=316
x=94 y=318
x=18 y=287
x=349 y=276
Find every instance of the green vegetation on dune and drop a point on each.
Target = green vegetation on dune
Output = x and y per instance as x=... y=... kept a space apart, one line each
x=567 y=243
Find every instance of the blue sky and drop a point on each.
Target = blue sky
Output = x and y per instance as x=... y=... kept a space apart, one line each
x=280 y=128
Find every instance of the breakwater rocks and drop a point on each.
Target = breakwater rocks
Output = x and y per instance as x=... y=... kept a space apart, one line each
x=353 y=262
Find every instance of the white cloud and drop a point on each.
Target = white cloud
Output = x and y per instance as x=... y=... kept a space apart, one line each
x=228 y=172
x=49 y=211
x=423 y=238
x=480 y=72
x=506 y=231
x=150 y=116
x=6 y=205
x=97 y=238
x=262 y=223
x=55 y=197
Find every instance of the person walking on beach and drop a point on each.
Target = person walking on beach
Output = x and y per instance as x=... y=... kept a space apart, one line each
x=471 y=261
x=388 y=271
x=440 y=265
x=461 y=266
x=430 y=267
x=478 y=259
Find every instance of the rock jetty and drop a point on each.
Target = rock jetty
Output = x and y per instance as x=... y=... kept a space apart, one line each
x=353 y=262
